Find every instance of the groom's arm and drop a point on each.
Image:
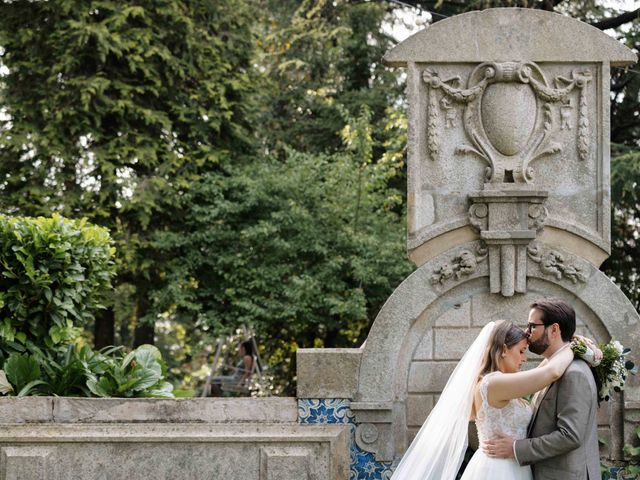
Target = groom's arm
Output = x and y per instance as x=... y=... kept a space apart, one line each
x=574 y=402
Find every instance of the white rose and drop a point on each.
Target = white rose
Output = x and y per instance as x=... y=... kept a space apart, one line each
x=618 y=346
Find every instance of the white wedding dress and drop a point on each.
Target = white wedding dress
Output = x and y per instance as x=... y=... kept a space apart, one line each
x=512 y=420
x=438 y=449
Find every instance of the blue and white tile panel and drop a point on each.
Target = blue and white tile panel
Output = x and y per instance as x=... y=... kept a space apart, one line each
x=334 y=410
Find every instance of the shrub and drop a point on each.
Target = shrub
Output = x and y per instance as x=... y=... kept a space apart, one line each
x=633 y=454
x=54 y=273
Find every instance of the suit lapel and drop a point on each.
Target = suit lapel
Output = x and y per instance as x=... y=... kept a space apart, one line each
x=536 y=407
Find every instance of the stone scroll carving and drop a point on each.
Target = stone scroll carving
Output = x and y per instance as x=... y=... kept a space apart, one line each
x=554 y=263
x=465 y=263
x=537 y=216
x=510 y=115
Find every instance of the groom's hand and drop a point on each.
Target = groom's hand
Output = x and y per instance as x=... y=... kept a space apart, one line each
x=501 y=446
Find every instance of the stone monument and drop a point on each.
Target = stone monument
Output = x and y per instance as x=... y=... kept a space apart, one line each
x=508 y=201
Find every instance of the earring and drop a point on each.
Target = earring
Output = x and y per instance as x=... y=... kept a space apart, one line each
x=503 y=355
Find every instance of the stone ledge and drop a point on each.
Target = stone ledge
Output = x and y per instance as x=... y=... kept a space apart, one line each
x=181 y=450
x=162 y=432
x=147 y=410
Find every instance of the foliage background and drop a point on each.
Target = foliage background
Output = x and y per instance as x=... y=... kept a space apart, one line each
x=247 y=157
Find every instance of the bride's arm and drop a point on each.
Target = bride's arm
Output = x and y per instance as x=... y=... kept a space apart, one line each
x=519 y=384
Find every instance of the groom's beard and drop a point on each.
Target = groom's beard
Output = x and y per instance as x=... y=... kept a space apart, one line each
x=540 y=346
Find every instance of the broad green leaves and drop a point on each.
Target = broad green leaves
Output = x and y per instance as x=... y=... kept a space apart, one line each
x=138 y=374
x=23 y=373
x=73 y=371
x=55 y=275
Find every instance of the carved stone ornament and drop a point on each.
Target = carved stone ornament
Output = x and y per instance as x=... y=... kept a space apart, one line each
x=367 y=433
x=554 y=263
x=465 y=263
x=537 y=216
x=508 y=219
x=374 y=429
x=478 y=216
x=509 y=115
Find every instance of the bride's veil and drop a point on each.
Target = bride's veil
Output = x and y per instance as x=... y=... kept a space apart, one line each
x=439 y=447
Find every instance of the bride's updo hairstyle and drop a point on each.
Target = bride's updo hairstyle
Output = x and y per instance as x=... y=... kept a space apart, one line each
x=504 y=333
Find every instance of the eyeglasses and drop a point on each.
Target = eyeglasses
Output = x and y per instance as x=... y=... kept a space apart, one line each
x=532 y=326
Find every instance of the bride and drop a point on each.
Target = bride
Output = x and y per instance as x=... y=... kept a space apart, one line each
x=486 y=386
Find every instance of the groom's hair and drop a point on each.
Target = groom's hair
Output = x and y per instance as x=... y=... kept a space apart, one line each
x=556 y=310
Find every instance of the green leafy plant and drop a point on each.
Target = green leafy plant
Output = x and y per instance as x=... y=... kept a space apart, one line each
x=54 y=273
x=22 y=373
x=138 y=374
x=633 y=453
x=66 y=369
x=73 y=371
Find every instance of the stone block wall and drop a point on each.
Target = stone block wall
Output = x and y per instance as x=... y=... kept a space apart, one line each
x=186 y=439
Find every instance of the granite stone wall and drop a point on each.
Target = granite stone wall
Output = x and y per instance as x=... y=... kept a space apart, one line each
x=186 y=439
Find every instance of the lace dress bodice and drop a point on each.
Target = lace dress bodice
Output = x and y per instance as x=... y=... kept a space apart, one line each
x=512 y=419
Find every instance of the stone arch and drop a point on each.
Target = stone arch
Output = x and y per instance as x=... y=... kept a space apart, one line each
x=417 y=304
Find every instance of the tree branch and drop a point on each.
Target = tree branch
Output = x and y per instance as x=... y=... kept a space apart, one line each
x=615 y=22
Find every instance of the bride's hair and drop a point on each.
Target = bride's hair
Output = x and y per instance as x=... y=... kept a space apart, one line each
x=504 y=333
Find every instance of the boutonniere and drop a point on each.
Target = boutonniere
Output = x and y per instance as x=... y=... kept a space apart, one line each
x=611 y=370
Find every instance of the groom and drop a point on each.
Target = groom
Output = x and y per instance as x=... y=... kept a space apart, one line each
x=562 y=441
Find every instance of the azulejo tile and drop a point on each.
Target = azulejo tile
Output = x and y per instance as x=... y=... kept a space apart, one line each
x=365 y=467
x=324 y=410
x=335 y=410
x=617 y=473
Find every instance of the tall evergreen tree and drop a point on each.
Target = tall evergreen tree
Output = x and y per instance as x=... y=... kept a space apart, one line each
x=109 y=106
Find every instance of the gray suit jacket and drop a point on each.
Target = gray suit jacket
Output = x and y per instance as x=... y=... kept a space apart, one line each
x=563 y=438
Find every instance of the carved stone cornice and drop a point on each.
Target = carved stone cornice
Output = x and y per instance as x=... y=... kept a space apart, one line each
x=508 y=219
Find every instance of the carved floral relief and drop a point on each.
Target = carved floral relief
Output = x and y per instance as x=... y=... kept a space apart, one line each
x=555 y=263
x=464 y=263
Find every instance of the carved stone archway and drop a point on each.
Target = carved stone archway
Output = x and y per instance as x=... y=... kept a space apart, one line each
x=386 y=365
x=508 y=197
